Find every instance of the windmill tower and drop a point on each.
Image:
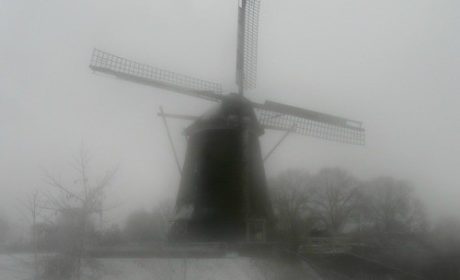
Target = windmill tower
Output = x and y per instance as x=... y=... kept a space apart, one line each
x=223 y=191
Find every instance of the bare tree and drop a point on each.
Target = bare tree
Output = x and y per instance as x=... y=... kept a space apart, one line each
x=334 y=198
x=390 y=206
x=34 y=211
x=75 y=204
x=291 y=195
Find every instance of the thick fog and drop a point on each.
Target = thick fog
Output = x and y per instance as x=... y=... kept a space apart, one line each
x=391 y=64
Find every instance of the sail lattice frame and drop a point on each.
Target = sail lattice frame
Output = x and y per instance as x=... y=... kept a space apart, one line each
x=353 y=133
x=105 y=62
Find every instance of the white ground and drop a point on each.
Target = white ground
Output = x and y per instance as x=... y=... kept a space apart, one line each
x=15 y=267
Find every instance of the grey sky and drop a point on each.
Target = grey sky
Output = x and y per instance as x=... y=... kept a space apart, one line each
x=392 y=64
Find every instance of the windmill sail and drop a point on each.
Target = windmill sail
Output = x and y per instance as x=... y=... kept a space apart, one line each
x=274 y=115
x=248 y=24
x=145 y=74
x=223 y=147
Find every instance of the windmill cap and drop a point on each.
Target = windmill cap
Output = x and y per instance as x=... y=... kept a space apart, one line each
x=234 y=112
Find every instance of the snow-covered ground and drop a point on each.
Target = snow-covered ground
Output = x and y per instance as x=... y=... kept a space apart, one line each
x=232 y=268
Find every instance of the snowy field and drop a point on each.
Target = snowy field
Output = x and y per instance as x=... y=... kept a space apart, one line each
x=20 y=266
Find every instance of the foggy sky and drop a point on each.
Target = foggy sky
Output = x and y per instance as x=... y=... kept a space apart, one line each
x=392 y=64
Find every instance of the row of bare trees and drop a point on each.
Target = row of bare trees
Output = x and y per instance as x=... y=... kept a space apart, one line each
x=380 y=220
x=327 y=203
x=332 y=202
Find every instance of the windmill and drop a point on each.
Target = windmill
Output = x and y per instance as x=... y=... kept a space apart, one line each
x=223 y=190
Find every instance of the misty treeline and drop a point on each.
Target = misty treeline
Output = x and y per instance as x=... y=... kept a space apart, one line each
x=333 y=202
x=380 y=218
x=379 y=221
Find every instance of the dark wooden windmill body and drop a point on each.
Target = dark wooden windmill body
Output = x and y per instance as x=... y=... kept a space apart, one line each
x=223 y=192
x=223 y=184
